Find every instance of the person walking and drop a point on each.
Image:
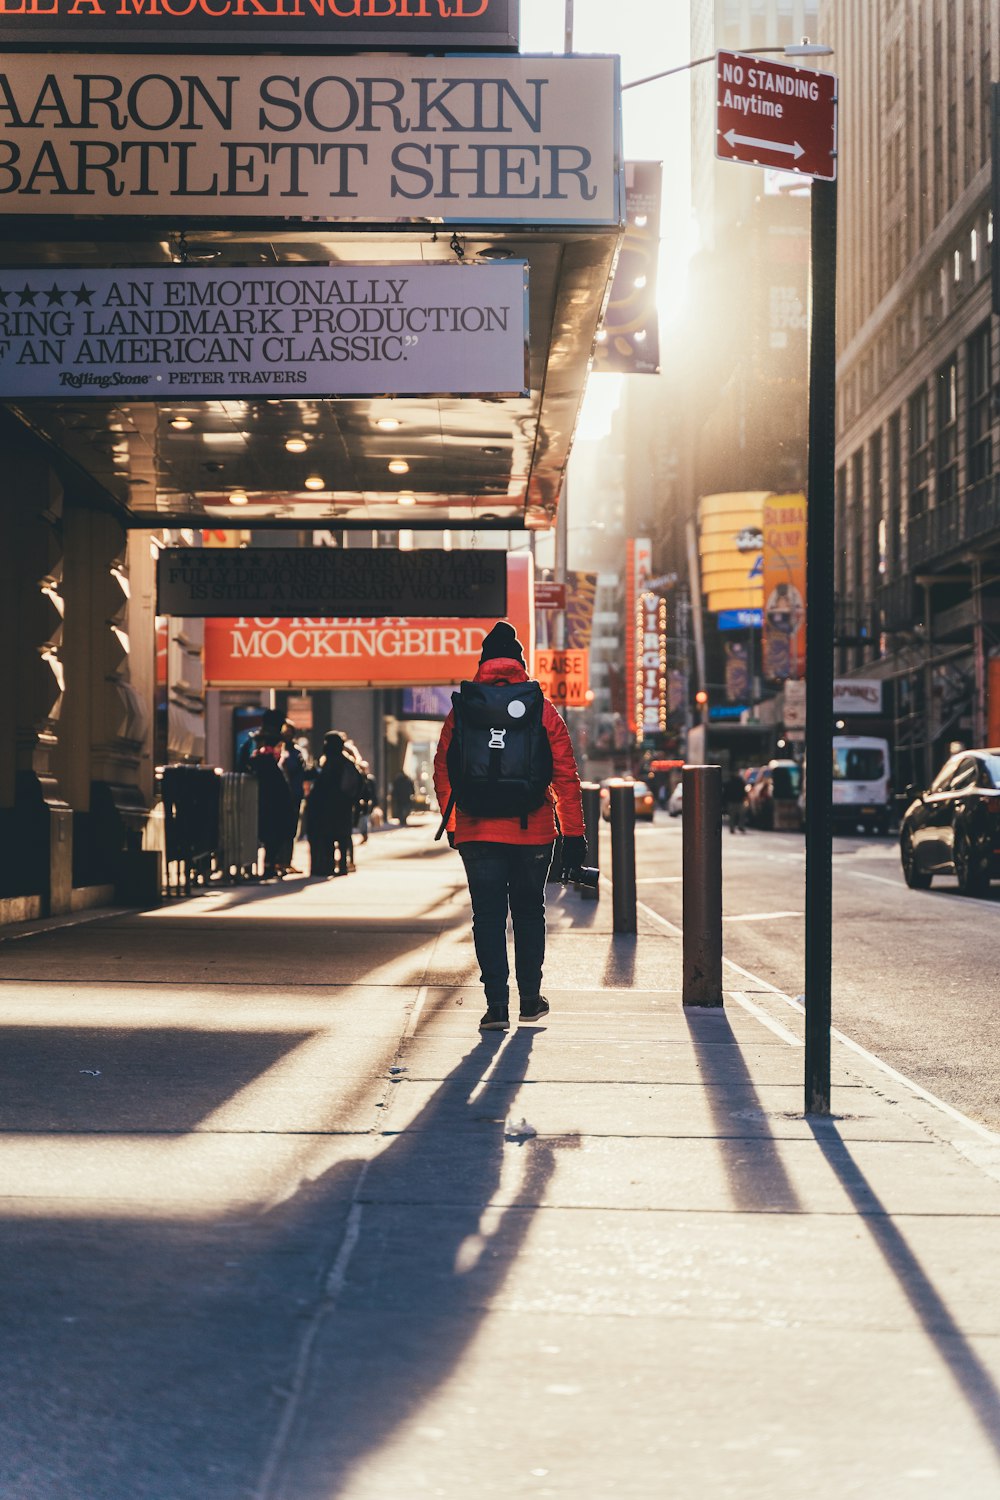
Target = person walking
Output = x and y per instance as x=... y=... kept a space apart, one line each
x=330 y=809
x=504 y=769
x=275 y=812
x=734 y=795
x=402 y=798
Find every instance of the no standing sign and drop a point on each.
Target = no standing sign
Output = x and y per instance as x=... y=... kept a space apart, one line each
x=770 y=114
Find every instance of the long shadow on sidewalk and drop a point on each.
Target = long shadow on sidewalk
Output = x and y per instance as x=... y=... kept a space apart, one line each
x=756 y=1174
x=962 y=1362
x=424 y=1258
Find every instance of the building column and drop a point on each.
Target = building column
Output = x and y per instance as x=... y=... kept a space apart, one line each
x=35 y=821
x=106 y=720
x=978 y=656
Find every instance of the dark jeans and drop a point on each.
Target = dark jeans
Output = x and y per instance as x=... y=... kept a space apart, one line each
x=502 y=878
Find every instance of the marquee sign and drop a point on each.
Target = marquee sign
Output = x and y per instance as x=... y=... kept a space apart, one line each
x=495 y=140
x=323 y=581
x=411 y=649
x=341 y=330
x=357 y=25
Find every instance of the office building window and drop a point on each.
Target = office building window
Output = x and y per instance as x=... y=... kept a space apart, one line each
x=920 y=452
x=894 y=498
x=877 y=508
x=947 y=431
x=980 y=454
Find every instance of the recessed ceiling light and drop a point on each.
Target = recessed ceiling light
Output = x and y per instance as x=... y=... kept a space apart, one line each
x=495 y=252
x=295 y=445
x=388 y=424
x=239 y=497
x=315 y=482
x=398 y=466
x=180 y=424
x=406 y=497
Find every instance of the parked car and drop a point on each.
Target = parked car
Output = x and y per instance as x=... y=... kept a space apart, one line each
x=953 y=828
x=773 y=798
x=675 y=802
x=645 y=803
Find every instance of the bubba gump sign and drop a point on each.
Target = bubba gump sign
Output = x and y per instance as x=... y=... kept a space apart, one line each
x=362 y=25
x=318 y=652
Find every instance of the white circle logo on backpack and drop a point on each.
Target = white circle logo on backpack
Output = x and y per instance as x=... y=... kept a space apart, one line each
x=516 y=709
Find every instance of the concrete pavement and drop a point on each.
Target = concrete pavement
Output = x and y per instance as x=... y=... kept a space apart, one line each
x=264 y=1234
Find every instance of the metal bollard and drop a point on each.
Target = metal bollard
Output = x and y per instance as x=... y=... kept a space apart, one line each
x=702 y=868
x=623 y=911
x=591 y=794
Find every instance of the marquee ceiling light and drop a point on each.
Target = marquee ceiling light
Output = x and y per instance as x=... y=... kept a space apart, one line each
x=239 y=497
x=398 y=466
x=406 y=497
x=388 y=424
x=315 y=482
x=180 y=424
x=295 y=445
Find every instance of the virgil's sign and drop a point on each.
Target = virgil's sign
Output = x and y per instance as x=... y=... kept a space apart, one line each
x=320 y=581
x=323 y=331
x=401 y=25
x=348 y=138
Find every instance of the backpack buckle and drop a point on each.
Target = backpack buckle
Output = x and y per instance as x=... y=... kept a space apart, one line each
x=497 y=737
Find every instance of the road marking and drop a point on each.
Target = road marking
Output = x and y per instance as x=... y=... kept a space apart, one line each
x=418 y=1006
x=897 y=885
x=916 y=1089
x=660 y=880
x=762 y=916
x=648 y=911
x=766 y=1020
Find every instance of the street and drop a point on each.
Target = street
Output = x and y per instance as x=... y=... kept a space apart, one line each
x=915 y=973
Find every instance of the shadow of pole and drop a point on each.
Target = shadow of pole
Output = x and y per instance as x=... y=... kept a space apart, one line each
x=965 y=1367
x=755 y=1172
x=427 y=1253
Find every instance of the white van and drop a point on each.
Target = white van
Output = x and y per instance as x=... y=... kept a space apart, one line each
x=861 y=786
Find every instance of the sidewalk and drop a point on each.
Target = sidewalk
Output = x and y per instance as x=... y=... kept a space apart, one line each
x=263 y=1235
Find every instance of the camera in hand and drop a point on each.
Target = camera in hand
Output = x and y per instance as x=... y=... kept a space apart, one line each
x=586 y=876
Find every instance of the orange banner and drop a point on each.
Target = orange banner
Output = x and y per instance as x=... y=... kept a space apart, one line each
x=564 y=677
x=784 y=635
x=304 y=652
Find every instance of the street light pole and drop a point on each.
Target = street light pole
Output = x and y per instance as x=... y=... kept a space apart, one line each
x=820 y=543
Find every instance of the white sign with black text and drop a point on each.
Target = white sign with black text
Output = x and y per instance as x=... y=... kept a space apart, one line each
x=342 y=330
x=370 y=138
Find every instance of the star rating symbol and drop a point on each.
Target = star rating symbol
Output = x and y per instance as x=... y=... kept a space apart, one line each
x=27 y=296
x=83 y=294
x=55 y=295
x=5 y=292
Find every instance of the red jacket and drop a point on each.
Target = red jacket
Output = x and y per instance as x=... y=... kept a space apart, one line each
x=564 y=791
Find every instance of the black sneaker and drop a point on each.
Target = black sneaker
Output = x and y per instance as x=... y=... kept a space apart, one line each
x=495 y=1020
x=535 y=1008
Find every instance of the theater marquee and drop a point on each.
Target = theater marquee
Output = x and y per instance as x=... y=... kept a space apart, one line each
x=417 y=330
x=364 y=139
x=357 y=25
x=408 y=649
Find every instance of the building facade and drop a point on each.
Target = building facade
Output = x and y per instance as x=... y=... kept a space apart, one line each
x=918 y=410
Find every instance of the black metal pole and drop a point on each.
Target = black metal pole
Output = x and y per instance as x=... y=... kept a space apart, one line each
x=623 y=893
x=702 y=868
x=820 y=550
x=590 y=793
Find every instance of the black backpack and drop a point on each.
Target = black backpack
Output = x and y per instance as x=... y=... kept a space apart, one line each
x=499 y=758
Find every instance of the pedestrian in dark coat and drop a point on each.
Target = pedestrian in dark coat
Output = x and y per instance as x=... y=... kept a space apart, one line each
x=402 y=797
x=330 y=809
x=275 y=811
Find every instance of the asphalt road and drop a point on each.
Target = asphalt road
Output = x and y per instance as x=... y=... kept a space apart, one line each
x=916 y=974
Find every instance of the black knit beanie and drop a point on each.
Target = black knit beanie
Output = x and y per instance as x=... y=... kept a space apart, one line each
x=502 y=641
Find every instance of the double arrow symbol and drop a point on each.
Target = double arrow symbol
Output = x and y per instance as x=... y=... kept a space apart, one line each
x=794 y=150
